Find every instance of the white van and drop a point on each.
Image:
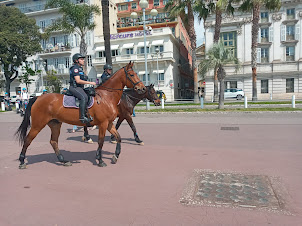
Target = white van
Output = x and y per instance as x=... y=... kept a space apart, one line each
x=233 y=93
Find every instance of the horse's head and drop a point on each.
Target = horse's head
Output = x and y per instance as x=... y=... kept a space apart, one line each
x=152 y=96
x=133 y=80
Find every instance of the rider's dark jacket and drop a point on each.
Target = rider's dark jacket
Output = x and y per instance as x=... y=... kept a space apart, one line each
x=105 y=76
x=77 y=70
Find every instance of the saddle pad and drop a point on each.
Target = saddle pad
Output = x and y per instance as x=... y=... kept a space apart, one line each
x=70 y=102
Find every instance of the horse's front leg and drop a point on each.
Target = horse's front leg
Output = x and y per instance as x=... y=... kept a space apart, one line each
x=131 y=124
x=86 y=136
x=102 y=131
x=117 y=136
x=119 y=122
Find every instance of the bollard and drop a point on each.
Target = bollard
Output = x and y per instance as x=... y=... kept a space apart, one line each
x=293 y=101
x=162 y=103
x=245 y=101
x=2 y=106
x=17 y=105
x=201 y=102
x=212 y=99
x=271 y=96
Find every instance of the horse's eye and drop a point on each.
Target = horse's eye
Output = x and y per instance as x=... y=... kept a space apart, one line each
x=131 y=75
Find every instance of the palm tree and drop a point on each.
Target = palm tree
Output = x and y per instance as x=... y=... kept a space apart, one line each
x=218 y=57
x=204 y=8
x=185 y=8
x=254 y=6
x=106 y=30
x=77 y=18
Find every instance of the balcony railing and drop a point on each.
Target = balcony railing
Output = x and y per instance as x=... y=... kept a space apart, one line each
x=31 y=9
x=130 y=23
x=57 y=48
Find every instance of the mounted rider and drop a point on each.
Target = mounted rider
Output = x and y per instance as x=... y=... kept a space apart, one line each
x=77 y=81
x=107 y=72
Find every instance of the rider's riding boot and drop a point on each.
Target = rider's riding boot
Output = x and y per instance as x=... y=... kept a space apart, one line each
x=83 y=117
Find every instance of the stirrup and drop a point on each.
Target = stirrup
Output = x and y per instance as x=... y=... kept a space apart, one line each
x=86 y=120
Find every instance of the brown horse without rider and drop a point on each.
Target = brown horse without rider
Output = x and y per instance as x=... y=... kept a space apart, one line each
x=48 y=110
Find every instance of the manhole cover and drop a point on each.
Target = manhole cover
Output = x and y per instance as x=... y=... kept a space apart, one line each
x=229 y=128
x=232 y=190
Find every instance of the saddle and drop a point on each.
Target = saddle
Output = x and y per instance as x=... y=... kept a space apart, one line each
x=70 y=101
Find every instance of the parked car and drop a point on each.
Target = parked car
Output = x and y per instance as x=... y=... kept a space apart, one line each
x=13 y=99
x=233 y=93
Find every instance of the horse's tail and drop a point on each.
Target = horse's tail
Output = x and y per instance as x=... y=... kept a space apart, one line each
x=22 y=130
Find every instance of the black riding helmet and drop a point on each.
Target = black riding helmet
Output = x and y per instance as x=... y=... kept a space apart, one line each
x=76 y=56
x=107 y=66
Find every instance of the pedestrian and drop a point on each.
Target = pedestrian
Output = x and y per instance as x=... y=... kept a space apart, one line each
x=77 y=82
x=24 y=99
x=44 y=91
x=133 y=114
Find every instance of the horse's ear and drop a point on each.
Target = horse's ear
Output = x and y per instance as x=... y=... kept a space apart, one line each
x=132 y=64
x=152 y=85
x=128 y=65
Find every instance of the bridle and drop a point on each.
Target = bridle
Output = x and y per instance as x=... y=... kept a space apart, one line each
x=127 y=77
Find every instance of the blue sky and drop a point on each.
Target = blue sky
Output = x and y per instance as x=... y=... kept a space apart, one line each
x=199 y=29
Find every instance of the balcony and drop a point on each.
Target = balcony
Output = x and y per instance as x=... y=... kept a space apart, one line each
x=264 y=42
x=129 y=23
x=58 y=49
x=290 y=39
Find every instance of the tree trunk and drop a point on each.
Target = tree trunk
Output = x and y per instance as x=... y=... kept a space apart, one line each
x=83 y=50
x=218 y=20
x=192 y=36
x=221 y=95
x=106 y=30
x=7 y=86
x=255 y=30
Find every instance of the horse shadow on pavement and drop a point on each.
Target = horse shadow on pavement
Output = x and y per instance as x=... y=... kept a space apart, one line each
x=73 y=157
x=107 y=138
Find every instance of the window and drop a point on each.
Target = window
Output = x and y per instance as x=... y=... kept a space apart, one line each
x=156 y=2
x=123 y=7
x=264 y=17
x=114 y=52
x=230 y=41
x=133 y=5
x=144 y=78
x=89 y=60
x=56 y=62
x=165 y=2
x=264 y=86
x=142 y=50
x=290 y=53
x=102 y=54
x=129 y=51
x=290 y=85
x=290 y=14
x=290 y=32
x=264 y=35
x=67 y=62
x=161 y=48
x=42 y=25
x=230 y=84
x=264 y=55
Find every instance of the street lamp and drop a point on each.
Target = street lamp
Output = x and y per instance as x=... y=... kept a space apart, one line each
x=133 y=16
x=157 y=52
x=144 y=4
x=44 y=65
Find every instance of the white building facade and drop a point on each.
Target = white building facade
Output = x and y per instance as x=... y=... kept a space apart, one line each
x=129 y=46
x=59 y=48
x=279 y=53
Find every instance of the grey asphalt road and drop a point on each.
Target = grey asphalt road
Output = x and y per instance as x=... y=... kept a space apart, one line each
x=146 y=184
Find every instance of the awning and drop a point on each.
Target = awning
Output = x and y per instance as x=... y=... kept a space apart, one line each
x=141 y=72
x=128 y=45
x=157 y=42
x=159 y=71
x=141 y=44
x=114 y=47
x=100 y=48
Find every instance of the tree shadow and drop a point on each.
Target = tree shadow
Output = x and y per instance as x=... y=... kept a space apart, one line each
x=73 y=157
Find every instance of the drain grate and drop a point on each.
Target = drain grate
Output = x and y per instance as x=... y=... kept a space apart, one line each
x=232 y=190
x=229 y=128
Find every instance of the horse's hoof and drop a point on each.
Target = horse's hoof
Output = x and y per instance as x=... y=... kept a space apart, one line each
x=114 y=159
x=113 y=142
x=102 y=164
x=90 y=141
x=22 y=166
x=67 y=163
x=141 y=143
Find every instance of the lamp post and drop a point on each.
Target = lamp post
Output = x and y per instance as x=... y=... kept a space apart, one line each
x=43 y=67
x=157 y=52
x=133 y=15
x=144 y=4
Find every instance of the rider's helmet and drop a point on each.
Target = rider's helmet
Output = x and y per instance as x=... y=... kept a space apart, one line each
x=107 y=66
x=76 y=56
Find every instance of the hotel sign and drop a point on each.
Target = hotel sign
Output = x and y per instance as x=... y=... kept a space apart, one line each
x=129 y=35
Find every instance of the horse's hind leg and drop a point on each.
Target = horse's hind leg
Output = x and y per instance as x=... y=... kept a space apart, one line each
x=86 y=136
x=131 y=124
x=117 y=136
x=102 y=131
x=34 y=130
x=55 y=127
